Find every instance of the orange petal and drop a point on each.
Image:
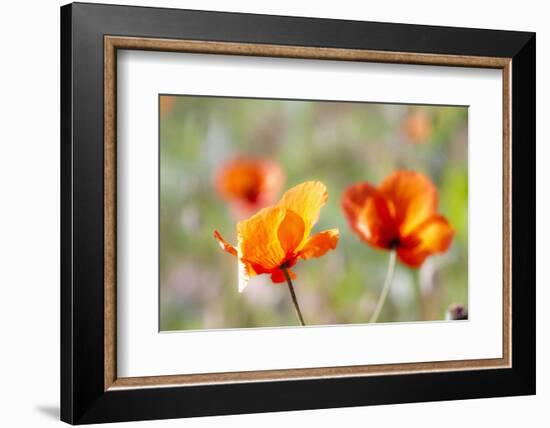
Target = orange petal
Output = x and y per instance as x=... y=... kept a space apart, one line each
x=279 y=276
x=306 y=200
x=258 y=238
x=368 y=214
x=224 y=244
x=291 y=232
x=319 y=244
x=433 y=236
x=412 y=199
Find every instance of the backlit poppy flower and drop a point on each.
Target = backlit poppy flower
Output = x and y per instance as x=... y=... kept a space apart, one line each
x=249 y=184
x=275 y=238
x=417 y=127
x=401 y=215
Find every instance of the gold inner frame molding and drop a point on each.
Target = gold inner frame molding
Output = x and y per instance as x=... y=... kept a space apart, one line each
x=113 y=43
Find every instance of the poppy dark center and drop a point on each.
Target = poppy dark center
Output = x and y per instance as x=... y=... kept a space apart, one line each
x=394 y=243
x=251 y=194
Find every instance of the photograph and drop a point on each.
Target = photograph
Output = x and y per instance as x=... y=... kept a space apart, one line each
x=280 y=211
x=286 y=212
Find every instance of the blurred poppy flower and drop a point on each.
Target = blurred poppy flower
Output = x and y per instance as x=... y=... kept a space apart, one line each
x=401 y=215
x=275 y=238
x=166 y=104
x=249 y=184
x=457 y=312
x=417 y=127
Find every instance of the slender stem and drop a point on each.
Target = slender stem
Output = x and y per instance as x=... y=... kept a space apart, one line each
x=293 y=295
x=419 y=296
x=385 y=288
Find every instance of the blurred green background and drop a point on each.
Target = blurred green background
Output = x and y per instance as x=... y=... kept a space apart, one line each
x=337 y=143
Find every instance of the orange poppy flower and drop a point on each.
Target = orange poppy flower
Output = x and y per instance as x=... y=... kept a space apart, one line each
x=166 y=104
x=417 y=127
x=275 y=238
x=249 y=184
x=401 y=214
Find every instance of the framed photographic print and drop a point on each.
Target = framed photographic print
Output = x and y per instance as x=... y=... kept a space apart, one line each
x=265 y=213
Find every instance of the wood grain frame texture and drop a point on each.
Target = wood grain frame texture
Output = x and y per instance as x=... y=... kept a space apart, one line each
x=113 y=43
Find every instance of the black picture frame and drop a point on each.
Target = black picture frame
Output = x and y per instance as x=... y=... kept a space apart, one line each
x=83 y=396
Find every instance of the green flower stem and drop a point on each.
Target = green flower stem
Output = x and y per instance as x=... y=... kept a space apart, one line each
x=293 y=295
x=385 y=288
x=419 y=296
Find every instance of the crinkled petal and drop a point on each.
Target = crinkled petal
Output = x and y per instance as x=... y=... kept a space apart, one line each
x=224 y=244
x=244 y=272
x=433 y=236
x=368 y=214
x=291 y=232
x=258 y=240
x=412 y=199
x=306 y=200
x=319 y=244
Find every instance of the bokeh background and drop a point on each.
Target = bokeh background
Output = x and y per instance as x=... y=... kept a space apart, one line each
x=337 y=143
